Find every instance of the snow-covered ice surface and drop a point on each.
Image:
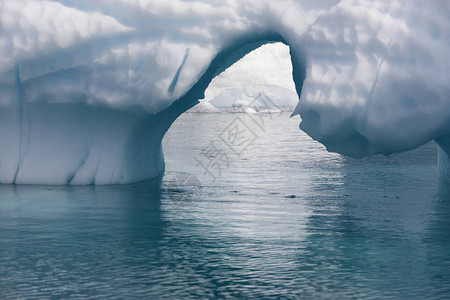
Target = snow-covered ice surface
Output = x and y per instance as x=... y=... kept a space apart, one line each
x=88 y=88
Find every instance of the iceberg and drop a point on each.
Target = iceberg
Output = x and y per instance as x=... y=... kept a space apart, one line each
x=264 y=72
x=89 y=88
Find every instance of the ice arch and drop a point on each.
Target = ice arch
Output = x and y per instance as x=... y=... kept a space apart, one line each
x=223 y=61
x=88 y=88
x=75 y=143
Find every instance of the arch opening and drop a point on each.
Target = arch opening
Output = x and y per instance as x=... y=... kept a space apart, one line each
x=256 y=92
x=224 y=60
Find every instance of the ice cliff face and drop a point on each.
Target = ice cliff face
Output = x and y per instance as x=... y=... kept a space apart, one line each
x=88 y=88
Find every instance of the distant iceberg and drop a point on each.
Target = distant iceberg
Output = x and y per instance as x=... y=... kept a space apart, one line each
x=89 y=88
x=264 y=73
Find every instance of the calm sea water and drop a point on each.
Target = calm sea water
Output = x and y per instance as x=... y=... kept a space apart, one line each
x=275 y=215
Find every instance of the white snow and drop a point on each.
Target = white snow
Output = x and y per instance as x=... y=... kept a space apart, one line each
x=99 y=77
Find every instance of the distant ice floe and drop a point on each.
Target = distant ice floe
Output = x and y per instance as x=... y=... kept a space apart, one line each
x=238 y=88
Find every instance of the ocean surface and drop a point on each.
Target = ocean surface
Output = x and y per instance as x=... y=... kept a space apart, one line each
x=249 y=207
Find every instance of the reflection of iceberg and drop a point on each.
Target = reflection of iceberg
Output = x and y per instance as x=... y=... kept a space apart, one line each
x=88 y=89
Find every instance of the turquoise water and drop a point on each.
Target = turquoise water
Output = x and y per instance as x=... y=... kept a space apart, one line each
x=282 y=218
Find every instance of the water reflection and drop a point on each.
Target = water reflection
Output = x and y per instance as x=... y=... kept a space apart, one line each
x=437 y=241
x=67 y=241
x=316 y=225
x=371 y=234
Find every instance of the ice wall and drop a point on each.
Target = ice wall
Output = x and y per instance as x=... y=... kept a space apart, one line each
x=88 y=88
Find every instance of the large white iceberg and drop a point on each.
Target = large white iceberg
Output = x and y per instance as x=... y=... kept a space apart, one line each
x=88 y=88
